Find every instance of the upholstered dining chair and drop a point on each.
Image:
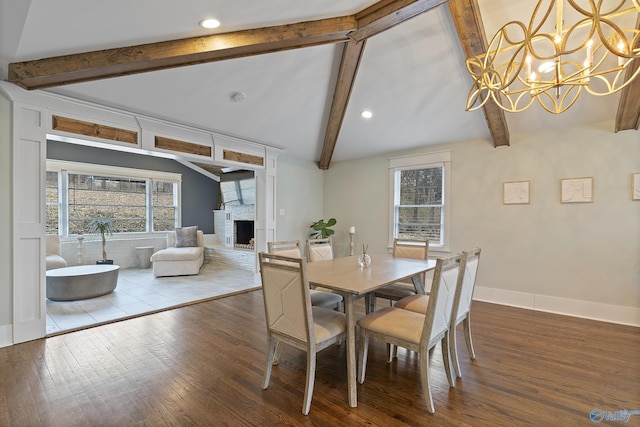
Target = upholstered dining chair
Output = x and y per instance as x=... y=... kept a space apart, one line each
x=415 y=331
x=291 y=248
x=416 y=249
x=319 y=249
x=462 y=305
x=292 y=320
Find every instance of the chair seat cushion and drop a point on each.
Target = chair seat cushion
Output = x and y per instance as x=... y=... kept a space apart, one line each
x=415 y=303
x=396 y=291
x=327 y=323
x=324 y=299
x=177 y=254
x=395 y=322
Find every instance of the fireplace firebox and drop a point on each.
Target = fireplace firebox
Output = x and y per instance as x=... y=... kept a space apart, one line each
x=243 y=234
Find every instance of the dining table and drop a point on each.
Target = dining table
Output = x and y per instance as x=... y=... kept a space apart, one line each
x=346 y=277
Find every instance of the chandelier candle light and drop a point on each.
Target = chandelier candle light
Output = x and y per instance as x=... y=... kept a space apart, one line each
x=523 y=63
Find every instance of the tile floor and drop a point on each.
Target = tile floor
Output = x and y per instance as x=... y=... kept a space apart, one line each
x=139 y=292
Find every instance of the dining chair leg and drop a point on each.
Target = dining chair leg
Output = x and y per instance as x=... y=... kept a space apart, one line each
x=446 y=358
x=311 y=376
x=276 y=353
x=466 y=324
x=271 y=342
x=364 y=350
x=424 y=379
x=453 y=351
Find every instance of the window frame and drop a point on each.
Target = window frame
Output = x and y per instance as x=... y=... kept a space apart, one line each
x=423 y=161
x=64 y=168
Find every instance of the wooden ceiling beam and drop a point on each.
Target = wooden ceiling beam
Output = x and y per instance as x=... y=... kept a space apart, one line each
x=82 y=67
x=385 y=14
x=468 y=21
x=628 y=115
x=349 y=64
x=370 y=21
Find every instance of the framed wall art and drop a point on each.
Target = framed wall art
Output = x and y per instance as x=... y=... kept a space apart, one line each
x=576 y=190
x=635 y=186
x=516 y=192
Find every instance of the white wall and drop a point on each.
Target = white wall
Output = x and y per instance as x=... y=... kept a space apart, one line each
x=299 y=192
x=581 y=259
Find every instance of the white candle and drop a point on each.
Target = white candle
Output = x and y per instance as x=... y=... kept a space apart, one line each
x=589 y=52
x=352 y=230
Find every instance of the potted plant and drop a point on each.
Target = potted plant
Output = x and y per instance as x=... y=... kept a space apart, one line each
x=103 y=226
x=320 y=229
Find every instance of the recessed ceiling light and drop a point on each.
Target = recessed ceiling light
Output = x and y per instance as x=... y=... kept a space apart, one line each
x=367 y=114
x=210 y=23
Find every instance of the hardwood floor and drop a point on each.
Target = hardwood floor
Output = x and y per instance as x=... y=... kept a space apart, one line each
x=203 y=364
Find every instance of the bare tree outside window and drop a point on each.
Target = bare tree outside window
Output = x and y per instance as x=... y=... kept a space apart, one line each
x=419 y=212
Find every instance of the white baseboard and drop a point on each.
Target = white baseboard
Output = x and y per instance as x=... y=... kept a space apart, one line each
x=6 y=335
x=569 y=307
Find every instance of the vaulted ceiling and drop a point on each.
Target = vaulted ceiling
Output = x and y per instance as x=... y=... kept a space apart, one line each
x=285 y=73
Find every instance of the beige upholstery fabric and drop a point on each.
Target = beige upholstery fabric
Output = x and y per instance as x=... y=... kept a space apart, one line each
x=407 y=325
x=415 y=331
x=290 y=317
x=53 y=259
x=416 y=303
x=174 y=261
x=319 y=249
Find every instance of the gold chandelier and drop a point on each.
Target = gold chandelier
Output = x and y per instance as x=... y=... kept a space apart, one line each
x=523 y=64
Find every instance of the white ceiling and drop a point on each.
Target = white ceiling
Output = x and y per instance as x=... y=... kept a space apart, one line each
x=412 y=77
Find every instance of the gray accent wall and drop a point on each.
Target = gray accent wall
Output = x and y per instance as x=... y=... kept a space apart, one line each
x=199 y=192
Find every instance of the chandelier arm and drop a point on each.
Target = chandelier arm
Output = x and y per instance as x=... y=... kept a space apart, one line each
x=499 y=74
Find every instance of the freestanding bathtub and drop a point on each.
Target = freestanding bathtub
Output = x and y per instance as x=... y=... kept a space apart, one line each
x=81 y=282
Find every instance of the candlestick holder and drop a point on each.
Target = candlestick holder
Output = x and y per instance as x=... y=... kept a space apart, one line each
x=351 y=238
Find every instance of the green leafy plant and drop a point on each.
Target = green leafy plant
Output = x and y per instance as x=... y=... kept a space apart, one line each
x=321 y=229
x=104 y=227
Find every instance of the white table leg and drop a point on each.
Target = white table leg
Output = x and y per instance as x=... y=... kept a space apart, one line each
x=351 y=350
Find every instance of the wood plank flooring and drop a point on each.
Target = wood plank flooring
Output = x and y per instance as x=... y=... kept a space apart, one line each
x=203 y=364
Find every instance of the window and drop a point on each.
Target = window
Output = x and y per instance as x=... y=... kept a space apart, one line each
x=164 y=202
x=53 y=202
x=138 y=201
x=419 y=206
x=121 y=199
x=238 y=188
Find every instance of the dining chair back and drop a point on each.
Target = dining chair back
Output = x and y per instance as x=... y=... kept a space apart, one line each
x=291 y=248
x=291 y=319
x=414 y=249
x=462 y=304
x=319 y=249
x=415 y=331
